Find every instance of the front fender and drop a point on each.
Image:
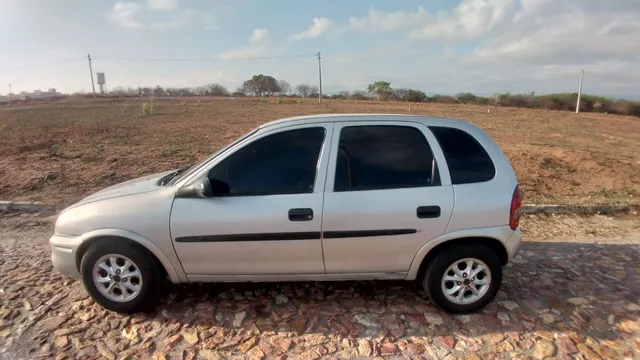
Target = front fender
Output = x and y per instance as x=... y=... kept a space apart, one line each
x=500 y=233
x=175 y=273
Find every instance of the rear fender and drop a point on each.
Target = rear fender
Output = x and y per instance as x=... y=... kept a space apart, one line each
x=500 y=233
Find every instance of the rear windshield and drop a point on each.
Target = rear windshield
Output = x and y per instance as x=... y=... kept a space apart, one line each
x=468 y=161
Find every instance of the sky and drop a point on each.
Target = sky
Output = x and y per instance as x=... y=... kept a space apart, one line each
x=437 y=46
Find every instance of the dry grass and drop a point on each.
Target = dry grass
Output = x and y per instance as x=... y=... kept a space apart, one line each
x=560 y=157
x=574 y=228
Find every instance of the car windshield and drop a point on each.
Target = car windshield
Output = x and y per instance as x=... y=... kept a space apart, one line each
x=187 y=172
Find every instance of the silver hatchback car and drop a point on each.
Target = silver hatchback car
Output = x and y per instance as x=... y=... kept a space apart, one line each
x=329 y=197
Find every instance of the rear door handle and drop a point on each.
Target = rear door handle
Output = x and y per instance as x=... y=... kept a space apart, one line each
x=302 y=214
x=428 y=212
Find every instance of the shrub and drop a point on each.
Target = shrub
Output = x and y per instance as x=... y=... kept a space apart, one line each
x=280 y=100
x=263 y=99
x=445 y=99
x=481 y=100
x=520 y=101
x=415 y=96
x=466 y=98
x=146 y=109
x=624 y=107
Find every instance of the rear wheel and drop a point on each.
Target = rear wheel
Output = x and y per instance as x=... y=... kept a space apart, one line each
x=463 y=279
x=121 y=276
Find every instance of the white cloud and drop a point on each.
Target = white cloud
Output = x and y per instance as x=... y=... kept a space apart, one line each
x=469 y=20
x=123 y=15
x=377 y=20
x=247 y=52
x=258 y=36
x=320 y=26
x=188 y=17
x=163 y=5
x=546 y=32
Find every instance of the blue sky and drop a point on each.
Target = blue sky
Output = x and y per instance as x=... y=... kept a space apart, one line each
x=440 y=46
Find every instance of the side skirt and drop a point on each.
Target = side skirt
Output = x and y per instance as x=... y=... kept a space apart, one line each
x=303 y=277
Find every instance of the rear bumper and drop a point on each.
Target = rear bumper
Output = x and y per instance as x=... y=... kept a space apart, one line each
x=513 y=243
x=63 y=254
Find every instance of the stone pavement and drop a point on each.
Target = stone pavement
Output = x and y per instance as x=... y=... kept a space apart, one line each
x=558 y=300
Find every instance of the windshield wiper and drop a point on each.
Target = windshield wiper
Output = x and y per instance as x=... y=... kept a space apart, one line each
x=167 y=178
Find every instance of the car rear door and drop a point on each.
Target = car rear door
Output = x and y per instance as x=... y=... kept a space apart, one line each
x=270 y=222
x=385 y=197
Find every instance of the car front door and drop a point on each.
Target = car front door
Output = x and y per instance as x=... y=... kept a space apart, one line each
x=269 y=222
x=385 y=197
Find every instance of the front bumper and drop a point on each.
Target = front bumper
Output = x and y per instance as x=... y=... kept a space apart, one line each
x=513 y=243
x=63 y=254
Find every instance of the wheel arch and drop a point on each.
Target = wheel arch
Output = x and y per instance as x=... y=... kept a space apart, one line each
x=489 y=239
x=127 y=236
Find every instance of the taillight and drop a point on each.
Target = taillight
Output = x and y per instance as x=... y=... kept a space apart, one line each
x=516 y=203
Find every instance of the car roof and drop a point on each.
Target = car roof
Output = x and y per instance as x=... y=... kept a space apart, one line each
x=310 y=119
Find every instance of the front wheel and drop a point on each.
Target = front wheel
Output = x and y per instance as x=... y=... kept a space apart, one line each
x=120 y=276
x=463 y=279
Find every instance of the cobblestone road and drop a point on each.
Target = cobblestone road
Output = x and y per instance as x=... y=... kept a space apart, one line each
x=558 y=300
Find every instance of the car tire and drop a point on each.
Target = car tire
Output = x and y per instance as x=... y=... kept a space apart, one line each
x=442 y=291
x=141 y=281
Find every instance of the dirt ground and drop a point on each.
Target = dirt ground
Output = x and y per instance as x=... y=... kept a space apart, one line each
x=571 y=293
x=560 y=157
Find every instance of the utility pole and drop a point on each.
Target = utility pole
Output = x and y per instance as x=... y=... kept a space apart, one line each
x=91 y=73
x=579 y=92
x=320 y=78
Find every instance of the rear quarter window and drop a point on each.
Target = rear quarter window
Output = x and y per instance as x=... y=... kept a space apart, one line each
x=468 y=161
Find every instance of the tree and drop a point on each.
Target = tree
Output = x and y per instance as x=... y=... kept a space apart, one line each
x=120 y=90
x=145 y=91
x=382 y=89
x=303 y=90
x=358 y=95
x=314 y=91
x=261 y=85
x=401 y=94
x=158 y=91
x=173 y=92
x=285 y=87
x=216 y=90
x=342 y=95
x=200 y=91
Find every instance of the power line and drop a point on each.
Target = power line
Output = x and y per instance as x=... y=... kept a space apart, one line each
x=206 y=59
x=597 y=74
x=48 y=64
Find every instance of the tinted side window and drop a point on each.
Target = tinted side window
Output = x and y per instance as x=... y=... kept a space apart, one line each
x=282 y=163
x=383 y=157
x=468 y=161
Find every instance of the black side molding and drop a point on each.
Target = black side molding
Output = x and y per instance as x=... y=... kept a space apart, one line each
x=366 y=233
x=287 y=236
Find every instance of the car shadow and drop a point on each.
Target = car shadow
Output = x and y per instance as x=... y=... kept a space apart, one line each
x=575 y=289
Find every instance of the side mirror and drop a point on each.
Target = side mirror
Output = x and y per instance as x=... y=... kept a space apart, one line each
x=199 y=189
x=219 y=187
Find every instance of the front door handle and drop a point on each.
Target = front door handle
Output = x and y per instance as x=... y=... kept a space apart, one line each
x=428 y=212
x=302 y=214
